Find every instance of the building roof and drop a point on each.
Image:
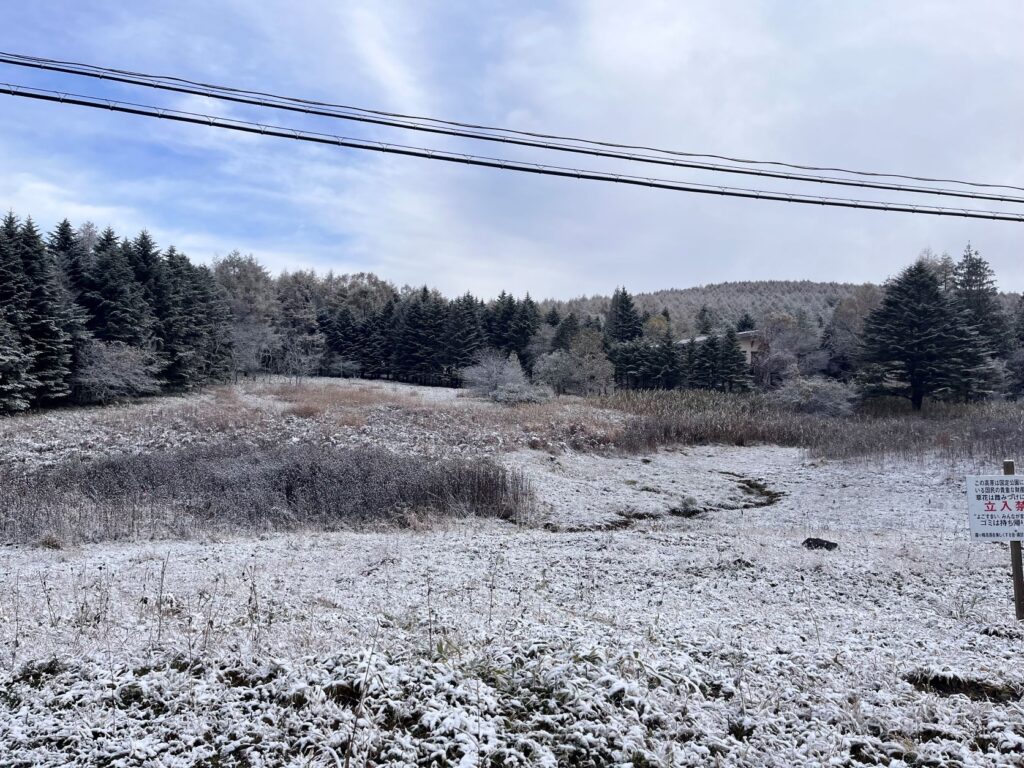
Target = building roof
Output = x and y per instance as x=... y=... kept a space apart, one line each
x=754 y=334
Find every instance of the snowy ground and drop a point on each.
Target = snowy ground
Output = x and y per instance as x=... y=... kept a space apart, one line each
x=659 y=611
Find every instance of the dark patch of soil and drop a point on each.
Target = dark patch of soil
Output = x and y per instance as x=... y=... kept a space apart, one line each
x=946 y=684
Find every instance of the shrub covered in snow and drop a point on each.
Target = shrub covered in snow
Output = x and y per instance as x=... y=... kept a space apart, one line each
x=816 y=395
x=515 y=394
x=502 y=379
x=493 y=370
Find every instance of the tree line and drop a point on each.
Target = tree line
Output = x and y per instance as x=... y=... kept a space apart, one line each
x=90 y=317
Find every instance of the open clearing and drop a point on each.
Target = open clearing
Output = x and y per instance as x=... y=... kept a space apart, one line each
x=655 y=610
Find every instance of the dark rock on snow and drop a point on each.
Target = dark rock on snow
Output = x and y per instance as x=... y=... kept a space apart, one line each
x=813 y=543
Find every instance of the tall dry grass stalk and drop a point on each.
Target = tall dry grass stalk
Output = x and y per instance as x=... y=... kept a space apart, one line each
x=229 y=487
x=956 y=432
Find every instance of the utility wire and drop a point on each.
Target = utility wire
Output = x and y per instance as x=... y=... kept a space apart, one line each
x=488 y=162
x=507 y=136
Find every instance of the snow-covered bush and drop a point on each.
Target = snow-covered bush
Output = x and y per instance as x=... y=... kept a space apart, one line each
x=502 y=379
x=112 y=371
x=819 y=396
x=515 y=394
x=491 y=371
x=570 y=373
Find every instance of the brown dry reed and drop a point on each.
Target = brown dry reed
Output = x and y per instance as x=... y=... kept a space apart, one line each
x=229 y=488
x=986 y=431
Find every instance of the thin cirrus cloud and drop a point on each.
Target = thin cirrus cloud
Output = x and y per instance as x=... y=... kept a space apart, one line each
x=918 y=87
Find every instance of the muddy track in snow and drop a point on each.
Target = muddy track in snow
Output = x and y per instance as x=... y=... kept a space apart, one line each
x=758 y=495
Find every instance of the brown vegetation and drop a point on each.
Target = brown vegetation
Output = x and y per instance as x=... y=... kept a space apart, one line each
x=230 y=487
x=990 y=430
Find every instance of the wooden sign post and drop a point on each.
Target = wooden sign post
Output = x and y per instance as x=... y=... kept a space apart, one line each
x=995 y=508
x=1015 y=561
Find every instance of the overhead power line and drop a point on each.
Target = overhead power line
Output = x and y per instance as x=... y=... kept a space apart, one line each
x=606 y=150
x=488 y=162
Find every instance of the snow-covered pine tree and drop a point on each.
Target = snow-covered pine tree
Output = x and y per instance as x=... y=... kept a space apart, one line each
x=498 y=321
x=15 y=293
x=974 y=285
x=525 y=322
x=916 y=342
x=51 y=346
x=181 y=325
x=70 y=256
x=665 y=366
x=566 y=332
x=119 y=311
x=622 y=321
x=216 y=342
x=704 y=321
x=733 y=371
x=465 y=335
x=689 y=364
x=705 y=373
x=15 y=383
x=375 y=349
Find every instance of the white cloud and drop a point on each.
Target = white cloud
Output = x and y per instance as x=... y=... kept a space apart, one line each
x=914 y=86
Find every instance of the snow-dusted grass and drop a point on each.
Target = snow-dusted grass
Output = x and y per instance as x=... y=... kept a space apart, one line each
x=954 y=432
x=219 y=488
x=662 y=611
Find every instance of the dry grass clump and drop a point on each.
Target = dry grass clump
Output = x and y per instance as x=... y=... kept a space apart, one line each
x=239 y=488
x=333 y=395
x=988 y=431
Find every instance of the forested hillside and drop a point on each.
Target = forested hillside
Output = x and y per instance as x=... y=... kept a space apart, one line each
x=728 y=302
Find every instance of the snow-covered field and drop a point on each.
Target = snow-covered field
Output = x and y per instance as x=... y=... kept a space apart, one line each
x=660 y=610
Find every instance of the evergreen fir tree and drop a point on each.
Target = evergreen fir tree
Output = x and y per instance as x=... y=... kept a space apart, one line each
x=525 y=323
x=552 y=317
x=733 y=371
x=688 y=365
x=632 y=364
x=215 y=318
x=622 y=321
x=1018 y=322
x=498 y=322
x=917 y=342
x=665 y=366
x=465 y=334
x=71 y=258
x=566 y=333
x=745 y=323
x=182 y=331
x=150 y=272
x=423 y=341
x=119 y=312
x=15 y=289
x=375 y=351
x=339 y=329
x=50 y=346
x=705 y=321
x=975 y=286
x=705 y=373
x=15 y=384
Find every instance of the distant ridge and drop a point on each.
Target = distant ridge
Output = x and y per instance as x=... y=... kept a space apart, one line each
x=728 y=301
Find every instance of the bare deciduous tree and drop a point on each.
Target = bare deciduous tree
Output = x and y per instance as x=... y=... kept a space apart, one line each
x=111 y=370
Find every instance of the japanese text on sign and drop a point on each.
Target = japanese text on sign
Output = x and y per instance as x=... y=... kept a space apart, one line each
x=995 y=507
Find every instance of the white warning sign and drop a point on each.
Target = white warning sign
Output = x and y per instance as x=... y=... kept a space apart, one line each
x=995 y=507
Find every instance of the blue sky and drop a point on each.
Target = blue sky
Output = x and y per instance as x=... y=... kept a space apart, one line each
x=920 y=86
